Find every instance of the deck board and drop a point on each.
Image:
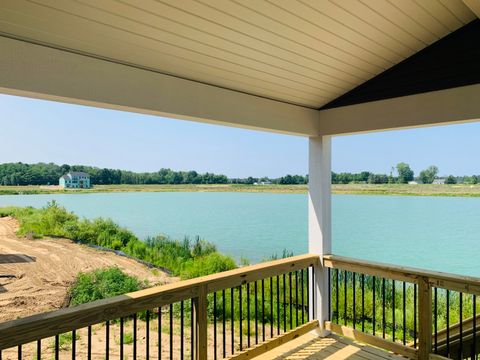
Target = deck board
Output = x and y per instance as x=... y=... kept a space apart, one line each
x=333 y=347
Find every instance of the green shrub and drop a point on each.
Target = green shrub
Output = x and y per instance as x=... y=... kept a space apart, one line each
x=183 y=258
x=101 y=284
x=205 y=265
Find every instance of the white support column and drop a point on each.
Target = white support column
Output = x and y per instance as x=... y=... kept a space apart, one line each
x=320 y=219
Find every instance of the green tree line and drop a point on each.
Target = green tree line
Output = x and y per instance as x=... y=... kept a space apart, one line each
x=44 y=174
x=48 y=174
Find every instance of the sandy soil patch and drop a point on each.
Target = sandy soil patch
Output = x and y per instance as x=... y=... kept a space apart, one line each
x=35 y=274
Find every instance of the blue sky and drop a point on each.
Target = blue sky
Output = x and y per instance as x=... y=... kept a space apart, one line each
x=33 y=131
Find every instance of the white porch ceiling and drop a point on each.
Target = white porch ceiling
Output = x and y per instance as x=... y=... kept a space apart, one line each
x=303 y=52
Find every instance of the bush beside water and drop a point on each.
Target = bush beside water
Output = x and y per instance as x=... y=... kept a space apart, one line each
x=101 y=284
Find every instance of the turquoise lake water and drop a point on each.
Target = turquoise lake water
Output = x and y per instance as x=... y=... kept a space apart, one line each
x=438 y=233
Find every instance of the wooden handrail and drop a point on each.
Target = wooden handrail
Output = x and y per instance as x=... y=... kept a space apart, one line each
x=462 y=283
x=25 y=330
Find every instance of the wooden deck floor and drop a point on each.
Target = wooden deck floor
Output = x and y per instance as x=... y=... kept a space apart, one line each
x=311 y=347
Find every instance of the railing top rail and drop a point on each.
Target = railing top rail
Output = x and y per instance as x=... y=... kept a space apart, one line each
x=467 y=284
x=31 y=328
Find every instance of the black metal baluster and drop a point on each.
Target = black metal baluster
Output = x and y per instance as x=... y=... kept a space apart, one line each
x=308 y=294
x=57 y=346
x=89 y=343
x=383 y=308
x=460 y=313
x=278 y=305
x=121 y=339
x=329 y=277
x=296 y=298
x=74 y=344
x=373 y=304
x=192 y=331
x=182 y=333
x=271 y=307
x=290 y=290
x=147 y=334
x=240 y=330
x=393 y=310
x=39 y=350
x=448 y=322
x=171 y=331
x=474 y=328
x=345 y=297
x=337 y=296
x=363 y=303
x=134 y=336
x=263 y=309
x=314 y=301
x=284 y=303
x=215 y=326
x=414 y=315
x=232 y=319
x=248 y=314
x=435 y=318
x=256 y=312
x=107 y=340
x=224 y=346
x=303 y=298
x=159 y=333
x=404 y=319
x=354 y=301
x=19 y=352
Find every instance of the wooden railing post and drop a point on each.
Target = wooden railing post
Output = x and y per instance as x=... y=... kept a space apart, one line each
x=425 y=318
x=200 y=326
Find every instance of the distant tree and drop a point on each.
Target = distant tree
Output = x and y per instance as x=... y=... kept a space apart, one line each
x=378 y=179
x=472 y=180
x=405 y=174
x=428 y=175
x=450 y=180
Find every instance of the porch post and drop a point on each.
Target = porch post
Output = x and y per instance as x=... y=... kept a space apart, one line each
x=319 y=221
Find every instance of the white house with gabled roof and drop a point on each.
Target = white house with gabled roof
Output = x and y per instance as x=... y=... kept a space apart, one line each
x=75 y=180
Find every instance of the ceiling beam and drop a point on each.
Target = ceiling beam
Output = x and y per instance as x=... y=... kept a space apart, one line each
x=42 y=72
x=441 y=107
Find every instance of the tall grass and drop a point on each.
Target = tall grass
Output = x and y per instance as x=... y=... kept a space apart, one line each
x=349 y=312
x=183 y=258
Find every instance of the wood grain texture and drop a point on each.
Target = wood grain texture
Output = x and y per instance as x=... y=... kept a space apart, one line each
x=424 y=318
x=275 y=342
x=394 y=347
x=201 y=324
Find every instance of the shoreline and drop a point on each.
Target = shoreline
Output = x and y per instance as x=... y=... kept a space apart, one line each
x=459 y=190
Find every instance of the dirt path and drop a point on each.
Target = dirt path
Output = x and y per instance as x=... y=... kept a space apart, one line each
x=43 y=269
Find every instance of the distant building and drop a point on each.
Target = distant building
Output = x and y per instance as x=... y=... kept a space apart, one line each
x=439 y=181
x=75 y=180
x=413 y=183
x=263 y=183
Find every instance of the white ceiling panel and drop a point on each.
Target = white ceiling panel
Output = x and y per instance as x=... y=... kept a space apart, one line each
x=304 y=52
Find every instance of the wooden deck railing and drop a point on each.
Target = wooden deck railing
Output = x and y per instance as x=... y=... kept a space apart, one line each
x=413 y=312
x=242 y=313
x=236 y=314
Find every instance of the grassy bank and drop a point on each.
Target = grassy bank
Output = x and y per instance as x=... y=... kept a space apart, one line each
x=461 y=190
x=184 y=258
